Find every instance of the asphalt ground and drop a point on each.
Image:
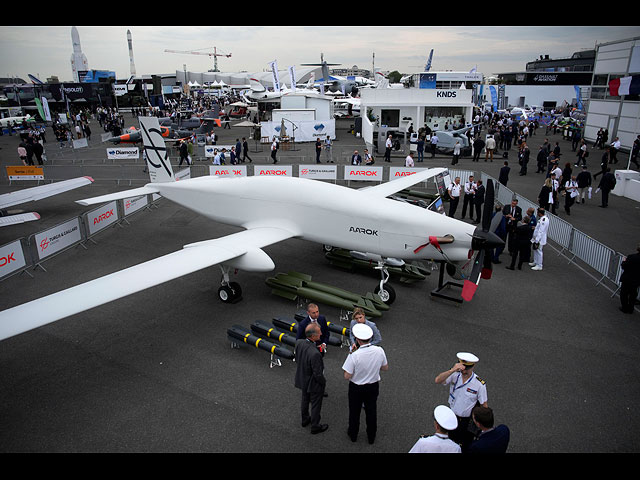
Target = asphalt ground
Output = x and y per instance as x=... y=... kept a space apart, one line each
x=155 y=371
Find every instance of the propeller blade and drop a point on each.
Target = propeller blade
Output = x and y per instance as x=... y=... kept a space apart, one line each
x=495 y=221
x=487 y=268
x=489 y=201
x=471 y=284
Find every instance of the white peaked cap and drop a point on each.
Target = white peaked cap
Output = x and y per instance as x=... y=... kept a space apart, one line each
x=445 y=417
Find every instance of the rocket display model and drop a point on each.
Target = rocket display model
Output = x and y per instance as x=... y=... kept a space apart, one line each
x=78 y=59
x=132 y=65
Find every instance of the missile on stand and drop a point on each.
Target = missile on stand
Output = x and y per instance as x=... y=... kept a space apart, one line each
x=240 y=333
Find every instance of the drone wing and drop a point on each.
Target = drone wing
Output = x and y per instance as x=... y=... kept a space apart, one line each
x=241 y=250
x=394 y=186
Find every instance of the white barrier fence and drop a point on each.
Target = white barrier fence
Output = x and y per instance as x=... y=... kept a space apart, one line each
x=21 y=255
x=574 y=244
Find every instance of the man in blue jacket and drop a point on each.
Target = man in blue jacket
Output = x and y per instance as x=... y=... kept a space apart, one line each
x=491 y=439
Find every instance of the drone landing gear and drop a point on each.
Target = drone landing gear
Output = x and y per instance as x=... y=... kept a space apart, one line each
x=441 y=286
x=386 y=292
x=229 y=292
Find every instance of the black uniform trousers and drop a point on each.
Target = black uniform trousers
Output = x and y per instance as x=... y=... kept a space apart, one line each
x=628 y=295
x=366 y=394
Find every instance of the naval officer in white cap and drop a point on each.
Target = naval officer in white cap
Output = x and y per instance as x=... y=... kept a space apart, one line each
x=362 y=368
x=466 y=390
x=444 y=421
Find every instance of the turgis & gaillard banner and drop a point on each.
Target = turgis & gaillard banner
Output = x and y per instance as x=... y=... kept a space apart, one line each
x=57 y=238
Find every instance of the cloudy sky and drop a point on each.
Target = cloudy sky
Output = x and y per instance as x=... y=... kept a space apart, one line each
x=44 y=51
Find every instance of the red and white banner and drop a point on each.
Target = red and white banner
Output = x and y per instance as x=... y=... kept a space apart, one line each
x=228 y=171
x=399 y=172
x=276 y=171
x=318 y=172
x=11 y=258
x=134 y=204
x=370 y=174
x=57 y=238
x=102 y=217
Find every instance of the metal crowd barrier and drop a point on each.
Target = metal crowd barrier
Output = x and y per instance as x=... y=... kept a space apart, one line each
x=574 y=244
x=22 y=255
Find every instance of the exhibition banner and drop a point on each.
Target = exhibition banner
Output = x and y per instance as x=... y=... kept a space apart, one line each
x=11 y=258
x=123 y=153
x=57 y=238
x=305 y=130
x=25 y=173
x=318 y=172
x=102 y=217
x=210 y=150
x=370 y=174
x=183 y=174
x=397 y=172
x=279 y=171
x=228 y=171
x=134 y=204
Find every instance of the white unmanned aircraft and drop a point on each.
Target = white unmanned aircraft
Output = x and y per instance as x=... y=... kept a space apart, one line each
x=32 y=194
x=270 y=209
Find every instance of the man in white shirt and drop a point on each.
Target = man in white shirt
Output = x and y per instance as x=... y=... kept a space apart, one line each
x=444 y=421
x=465 y=390
x=613 y=151
x=469 y=196
x=489 y=148
x=454 y=194
x=362 y=368
x=434 y=144
x=408 y=162
x=387 y=153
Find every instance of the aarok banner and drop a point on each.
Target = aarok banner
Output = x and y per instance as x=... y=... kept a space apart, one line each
x=102 y=217
x=11 y=258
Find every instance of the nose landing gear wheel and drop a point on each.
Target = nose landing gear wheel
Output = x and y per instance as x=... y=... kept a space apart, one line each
x=387 y=294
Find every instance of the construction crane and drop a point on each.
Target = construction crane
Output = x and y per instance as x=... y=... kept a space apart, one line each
x=215 y=54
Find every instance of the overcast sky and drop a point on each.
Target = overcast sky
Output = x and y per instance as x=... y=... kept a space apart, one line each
x=46 y=51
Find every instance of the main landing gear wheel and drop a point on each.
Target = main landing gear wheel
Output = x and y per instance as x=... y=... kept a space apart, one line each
x=387 y=294
x=229 y=292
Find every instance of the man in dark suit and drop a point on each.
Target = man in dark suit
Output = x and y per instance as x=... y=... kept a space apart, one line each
x=490 y=440
x=513 y=214
x=479 y=201
x=607 y=183
x=503 y=178
x=310 y=378
x=522 y=244
x=630 y=281
x=313 y=316
x=356 y=159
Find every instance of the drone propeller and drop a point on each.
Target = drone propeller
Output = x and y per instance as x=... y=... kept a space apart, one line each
x=482 y=241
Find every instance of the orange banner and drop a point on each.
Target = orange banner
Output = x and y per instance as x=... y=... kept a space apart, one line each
x=25 y=173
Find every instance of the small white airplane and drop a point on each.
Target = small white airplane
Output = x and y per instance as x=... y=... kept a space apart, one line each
x=258 y=92
x=6 y=121
x=32 y=194
x=272 y=209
